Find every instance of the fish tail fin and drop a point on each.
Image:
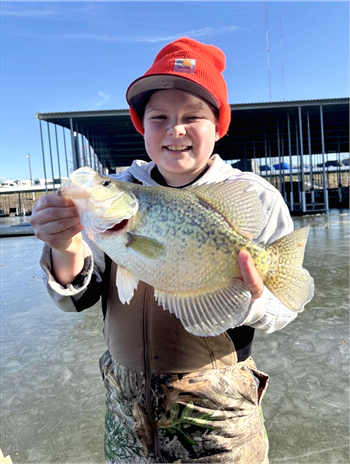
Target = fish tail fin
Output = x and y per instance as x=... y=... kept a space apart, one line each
x=291 y=284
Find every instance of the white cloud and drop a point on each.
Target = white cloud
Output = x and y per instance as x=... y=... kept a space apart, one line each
x=29 y=13
x=133 y=38
x=102 y=99
x=43 y=11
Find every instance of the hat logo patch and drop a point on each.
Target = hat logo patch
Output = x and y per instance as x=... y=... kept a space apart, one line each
x=185 y=65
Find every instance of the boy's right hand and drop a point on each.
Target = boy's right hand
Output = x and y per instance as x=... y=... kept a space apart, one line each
x=55 y=221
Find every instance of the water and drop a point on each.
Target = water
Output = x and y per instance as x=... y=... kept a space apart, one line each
x=52 y=397
x=14 y=220
x=306 y=407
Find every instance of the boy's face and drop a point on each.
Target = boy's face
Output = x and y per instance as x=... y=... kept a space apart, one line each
x=180 y=132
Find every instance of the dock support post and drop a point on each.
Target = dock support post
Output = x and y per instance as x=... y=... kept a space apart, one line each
x=325 y=191
x=303 y=197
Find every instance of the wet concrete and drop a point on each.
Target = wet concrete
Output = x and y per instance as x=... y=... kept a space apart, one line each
x=52 y=397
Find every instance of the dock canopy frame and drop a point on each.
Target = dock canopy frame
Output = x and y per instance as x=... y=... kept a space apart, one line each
x=300 y=134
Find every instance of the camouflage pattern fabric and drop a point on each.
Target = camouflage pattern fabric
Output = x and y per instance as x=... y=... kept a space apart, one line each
x=210 y=416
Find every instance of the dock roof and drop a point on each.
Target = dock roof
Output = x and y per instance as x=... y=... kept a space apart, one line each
x=253 y=128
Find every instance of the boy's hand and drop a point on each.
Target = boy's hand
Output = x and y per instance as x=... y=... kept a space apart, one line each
x=55 y=221
x=252 y=280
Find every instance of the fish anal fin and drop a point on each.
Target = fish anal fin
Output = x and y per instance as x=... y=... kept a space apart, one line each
x=209 y=313
x=149 y=247
x=126 y=282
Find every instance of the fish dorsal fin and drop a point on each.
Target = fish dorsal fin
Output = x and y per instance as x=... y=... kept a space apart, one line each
x=210 y=313
x=126 y=282
x=145 y=245
x=238 y=202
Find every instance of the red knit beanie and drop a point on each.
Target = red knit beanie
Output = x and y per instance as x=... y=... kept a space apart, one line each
x=184 y=64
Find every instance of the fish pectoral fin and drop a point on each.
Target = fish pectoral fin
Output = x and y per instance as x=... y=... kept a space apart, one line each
x=209 y=313
x=145 y=245
x=126 y=282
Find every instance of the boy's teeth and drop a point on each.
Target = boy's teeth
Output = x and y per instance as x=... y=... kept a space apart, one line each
x=177 y=147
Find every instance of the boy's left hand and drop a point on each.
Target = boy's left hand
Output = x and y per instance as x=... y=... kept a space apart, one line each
x=252 y=280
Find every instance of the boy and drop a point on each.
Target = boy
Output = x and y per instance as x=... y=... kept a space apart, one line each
x=171 y=396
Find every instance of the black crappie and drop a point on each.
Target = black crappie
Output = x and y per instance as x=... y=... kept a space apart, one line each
x=184 y=243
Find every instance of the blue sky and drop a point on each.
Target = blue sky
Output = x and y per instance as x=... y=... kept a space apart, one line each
x=72 y=56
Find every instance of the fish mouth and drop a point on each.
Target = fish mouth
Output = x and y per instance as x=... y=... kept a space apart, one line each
x=116 y=228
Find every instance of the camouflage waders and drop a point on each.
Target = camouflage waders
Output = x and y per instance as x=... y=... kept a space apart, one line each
x=210 y=416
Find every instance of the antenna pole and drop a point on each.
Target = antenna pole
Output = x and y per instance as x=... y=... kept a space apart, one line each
x=282 y=67
x=268 y=50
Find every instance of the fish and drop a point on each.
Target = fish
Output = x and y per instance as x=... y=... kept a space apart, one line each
x=185 y=244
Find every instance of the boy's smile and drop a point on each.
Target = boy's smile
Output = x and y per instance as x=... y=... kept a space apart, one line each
x=180 y=133
x=177 y=148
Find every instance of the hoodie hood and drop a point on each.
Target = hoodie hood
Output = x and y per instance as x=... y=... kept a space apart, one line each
x=219 y=171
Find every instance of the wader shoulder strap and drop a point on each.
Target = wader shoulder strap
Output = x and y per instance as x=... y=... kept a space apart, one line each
x=105 y=284
x=242 y=338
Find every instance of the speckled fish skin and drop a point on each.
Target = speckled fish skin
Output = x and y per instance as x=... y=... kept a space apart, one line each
x=184 y=243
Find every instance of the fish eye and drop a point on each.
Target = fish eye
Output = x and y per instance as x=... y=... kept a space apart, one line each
x=106 y=183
